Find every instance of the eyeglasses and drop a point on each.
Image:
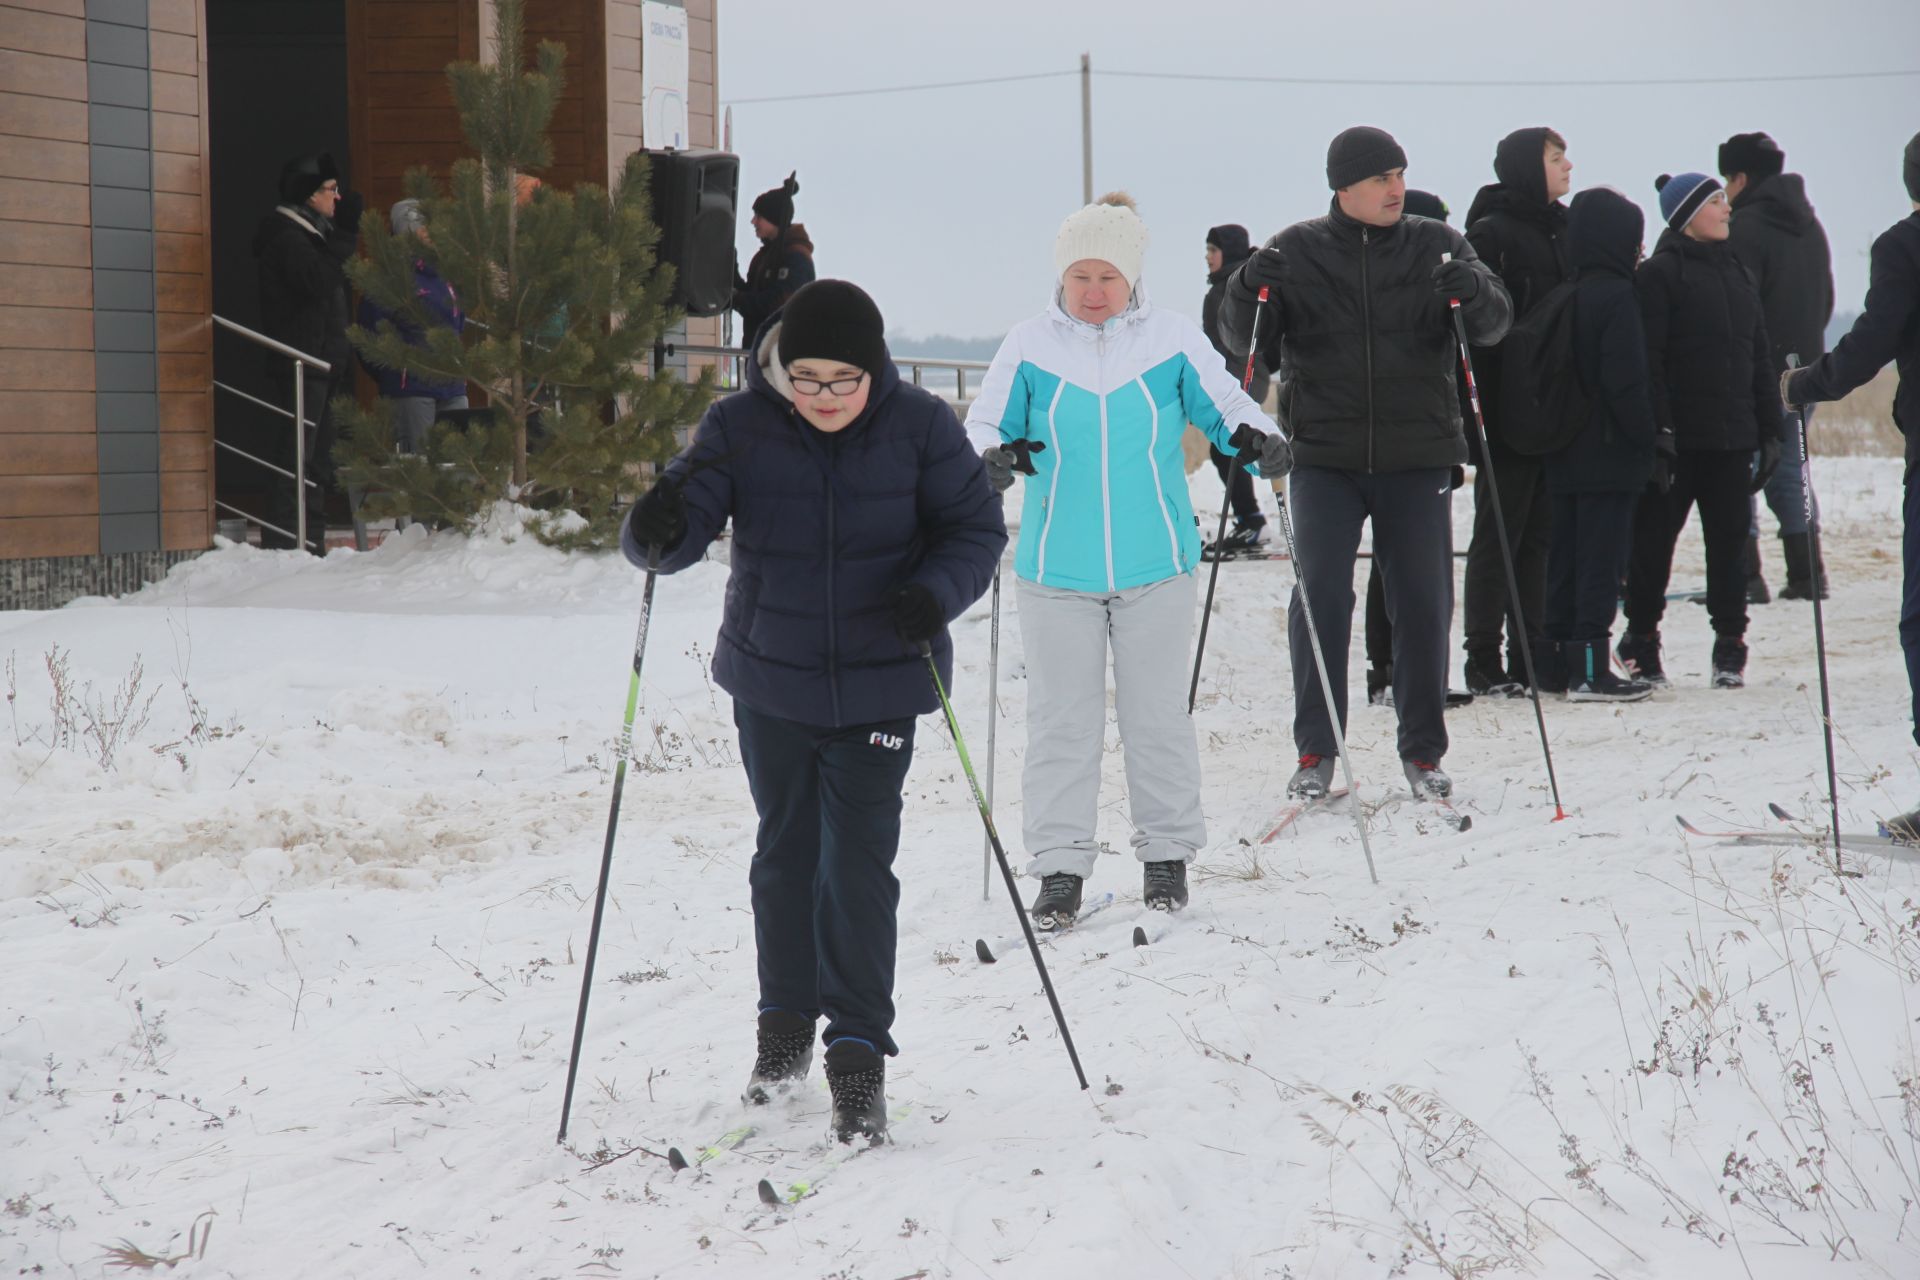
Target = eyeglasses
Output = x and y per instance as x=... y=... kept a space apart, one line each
x=329 y=188
x=838 y=387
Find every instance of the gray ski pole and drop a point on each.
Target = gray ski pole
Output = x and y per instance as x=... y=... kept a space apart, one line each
x=1819 y=621
x=993 y=725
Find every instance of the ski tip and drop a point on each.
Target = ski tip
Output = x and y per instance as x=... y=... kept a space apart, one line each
x=1780 y=813
x=985 y=953
x=1139 y=936
x=1466 y=822
x=675 y=1161
x=767 y=1194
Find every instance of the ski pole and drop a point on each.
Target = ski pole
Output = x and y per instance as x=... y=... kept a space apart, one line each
x=993 y=725
x=1819 y=622
x=1233 y=473
x=1506 y=549
x=613 y=825
x=999 y=853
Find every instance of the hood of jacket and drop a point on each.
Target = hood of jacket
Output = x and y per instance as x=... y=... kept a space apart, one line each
x=1780 y=200
x=1604 y=232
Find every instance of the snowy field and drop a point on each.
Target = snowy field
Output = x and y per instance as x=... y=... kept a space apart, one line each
x=291 y=967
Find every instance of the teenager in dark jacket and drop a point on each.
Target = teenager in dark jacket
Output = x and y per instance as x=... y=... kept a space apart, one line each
x=1888 y=329
x=1779 y=240
x=1597 y=477
x=300 y=250
x=1227 y=247
x=1359 y=325
x=412 y=401
x=862 y=524
x=1715 y=397
x=780 y=266
x=1519 y=228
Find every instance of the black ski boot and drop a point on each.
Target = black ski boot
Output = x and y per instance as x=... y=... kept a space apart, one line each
x=1640 y=655
x=1313 y=779
x=1590 y=679
x=1729 y=662
x=785 y=1053
x=1551 y=661
x=1757 y=592
x=1487 y=678
x=1242 y=539
x=857 y=1077
x=1057 y=904
x=1802 y=571
x=1165 y=885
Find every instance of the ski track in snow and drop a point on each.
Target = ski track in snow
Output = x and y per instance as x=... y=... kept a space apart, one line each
x=315 y=968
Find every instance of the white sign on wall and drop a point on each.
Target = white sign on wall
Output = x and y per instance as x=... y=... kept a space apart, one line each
x=663 y=75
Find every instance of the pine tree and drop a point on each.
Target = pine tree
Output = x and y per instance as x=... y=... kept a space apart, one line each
x=563 y=301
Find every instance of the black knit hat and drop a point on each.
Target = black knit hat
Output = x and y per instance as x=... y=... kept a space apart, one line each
x=1910 y=168
x=776 y=206
x=304 y=175
x=1754 y=154
x=1361 y=152
x=833 y=320
x=1425 y=204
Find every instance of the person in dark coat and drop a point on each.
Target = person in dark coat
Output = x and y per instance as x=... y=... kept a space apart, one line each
x=414 y=402
x=1782 y=244
x=863 y=524
x=1358 y=322
x=1596 y=479
x=300 y=250
x=1888 y=329
x=1715 y=397
x=1227 y=247
x=780 y=266
x=1518 y=226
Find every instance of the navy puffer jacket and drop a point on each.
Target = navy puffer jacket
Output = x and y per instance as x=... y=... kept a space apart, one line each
x=825 y=528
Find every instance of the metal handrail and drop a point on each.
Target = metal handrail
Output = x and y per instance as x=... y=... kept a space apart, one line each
x=300 y=420
x=917 y=365
x=264 y=524
x=254 y=457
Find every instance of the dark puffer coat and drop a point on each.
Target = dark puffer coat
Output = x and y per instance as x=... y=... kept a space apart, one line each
x=778 y=268
x=1713 y=383
x=1614 y=453
x=1364 y=346
x=1777 y=237
x=1888 y=329
x=825 y=528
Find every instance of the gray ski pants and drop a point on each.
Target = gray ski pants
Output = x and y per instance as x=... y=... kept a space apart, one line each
x=1066 y=635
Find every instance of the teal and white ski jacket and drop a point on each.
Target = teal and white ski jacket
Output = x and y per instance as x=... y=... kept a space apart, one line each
x=1108 y=507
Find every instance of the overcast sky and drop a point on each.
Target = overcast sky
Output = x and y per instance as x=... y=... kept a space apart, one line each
x=943 y=203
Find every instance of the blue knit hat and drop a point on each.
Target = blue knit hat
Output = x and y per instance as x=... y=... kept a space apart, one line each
x=1681 y=196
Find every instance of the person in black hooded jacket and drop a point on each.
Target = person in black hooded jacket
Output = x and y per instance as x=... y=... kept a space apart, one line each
x=1518 y=226
x=1715 y=397
x=301 y=250
x=1228 y=246
x=1596 y=478
x=1779 y=240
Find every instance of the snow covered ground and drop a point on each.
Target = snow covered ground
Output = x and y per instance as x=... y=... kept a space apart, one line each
x=297 y=961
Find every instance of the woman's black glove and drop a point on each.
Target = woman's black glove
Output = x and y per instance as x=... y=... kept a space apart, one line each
x=1268 y=451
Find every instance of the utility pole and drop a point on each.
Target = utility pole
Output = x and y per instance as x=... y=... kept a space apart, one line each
x=1086 y=128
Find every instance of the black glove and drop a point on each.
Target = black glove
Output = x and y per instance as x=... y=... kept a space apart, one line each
x=659 y=519
x=1768 y=463
x=917 y=617
x=1664 y=453
x=1271 y=453
x=1455 y=279
x=346 y=213
x=1458 y=478
x=1003 y=460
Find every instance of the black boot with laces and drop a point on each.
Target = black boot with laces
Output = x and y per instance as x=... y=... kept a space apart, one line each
x=857 y=1076
x=1165 y=886
x=1057 y=904
x=785 y=1053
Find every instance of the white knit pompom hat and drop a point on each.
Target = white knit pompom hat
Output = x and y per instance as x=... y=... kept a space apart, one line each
x=1108 y=230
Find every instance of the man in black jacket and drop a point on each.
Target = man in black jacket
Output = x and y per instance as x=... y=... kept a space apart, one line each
x=1227 y=247
x=1358 y=324
x=301 y=250
x=782 y=263
x=1518 y=227
x=1888 y=329
x=1781 y=243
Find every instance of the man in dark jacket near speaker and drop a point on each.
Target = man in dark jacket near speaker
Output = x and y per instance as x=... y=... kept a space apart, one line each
x=1227 y=247
x=1714 y=393
x=1518 y=227
x=1782 y=244
x=1357 y=322
x=1888 y=329
x=301 y=250
x=782 y=263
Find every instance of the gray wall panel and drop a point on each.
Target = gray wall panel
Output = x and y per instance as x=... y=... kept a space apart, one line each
x=121 y=167
x=123 y=46
x=129 y=533
x=123 y=451
x=122 y=331
x=115 y=250
x=125 y=371
x=123 y=290
x=126 y=411
x=114 y=207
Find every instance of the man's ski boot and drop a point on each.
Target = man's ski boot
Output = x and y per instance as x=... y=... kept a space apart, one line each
x=1057 y=904
x=1313 y=779
x=1427 y=780
x=1592 y=680
x=785 y=1052
x=857 y=1078
x=1487 y=678
x=1729 y=662
x=1640 y=655
x=1165 y=885
x=1242 y=539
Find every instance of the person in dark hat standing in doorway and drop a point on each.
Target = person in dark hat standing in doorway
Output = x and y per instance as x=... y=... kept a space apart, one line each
x=300 y=251
x=783 y=262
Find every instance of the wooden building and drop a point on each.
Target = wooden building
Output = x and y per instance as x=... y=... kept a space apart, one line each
x=140 y=144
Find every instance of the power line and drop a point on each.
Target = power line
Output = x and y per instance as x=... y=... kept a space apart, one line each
x=1330 y=81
